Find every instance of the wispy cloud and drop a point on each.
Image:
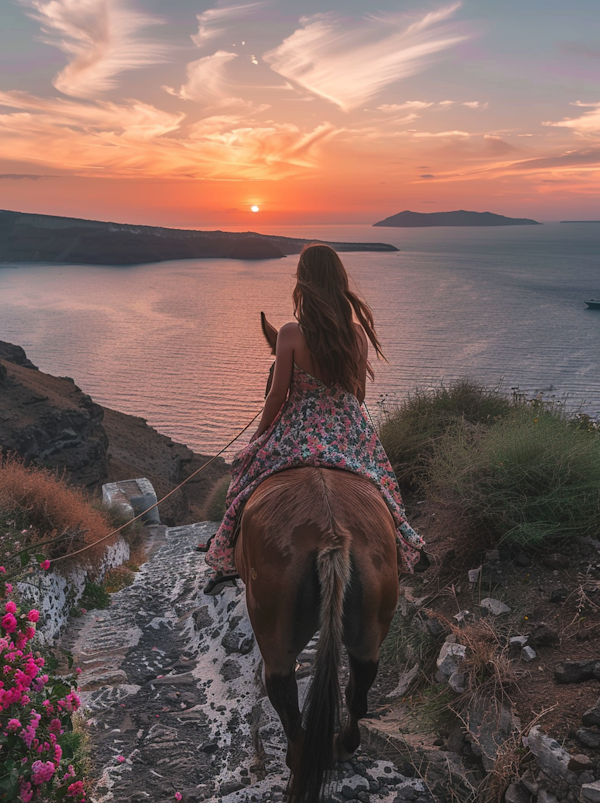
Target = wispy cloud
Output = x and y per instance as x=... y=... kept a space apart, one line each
x=208 y=83
x=587 y=126
x=213 y=22
x=99 y=37
x=392 y=108
x=348 y=66
x=132 y=139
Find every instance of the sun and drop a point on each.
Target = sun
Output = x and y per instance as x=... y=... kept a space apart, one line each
x=255 y=208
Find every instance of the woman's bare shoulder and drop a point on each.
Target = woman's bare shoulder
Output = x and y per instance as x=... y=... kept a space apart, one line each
x=290 y=331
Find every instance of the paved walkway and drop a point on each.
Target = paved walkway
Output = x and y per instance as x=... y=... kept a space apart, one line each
x=175 y=700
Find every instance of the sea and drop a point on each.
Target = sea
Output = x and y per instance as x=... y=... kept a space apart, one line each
x=179 y=343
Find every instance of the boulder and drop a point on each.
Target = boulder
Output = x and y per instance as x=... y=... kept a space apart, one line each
x=551 y=758
x=449 y=659
x=494 y=606
x=490 y=724
x=592 y=716
x=591 y=791
x=576 y=671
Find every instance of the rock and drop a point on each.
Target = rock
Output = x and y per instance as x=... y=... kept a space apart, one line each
x=546 y=797
x=494 y=606
x=492 y=556
x=490 y=724
x=591 y=791
x=518 y=641
x=48 y=420
x=588 y=738
x=528 y=654
x=552 y=759
x=16 y=355
x=456 y=681
x=530 y=783
x=202 y=618
x=404 y=681
x=555 y=561
x=234 y=641
x=474 y=574
x=230 y=670
x=353 y=785
x=592 y=716
x=580 y=762
x=516 y=794
x=543 y=635
x=231 y=786
x=523 y=560
x=132 y=498
x=574 y=671
x=449 y=659
x=559 y=595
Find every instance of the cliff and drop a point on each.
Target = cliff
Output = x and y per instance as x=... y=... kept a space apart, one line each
x=409 y=219
x=48 y=420
x=47 y=238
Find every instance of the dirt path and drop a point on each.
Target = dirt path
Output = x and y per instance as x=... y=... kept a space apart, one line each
x=175 y=701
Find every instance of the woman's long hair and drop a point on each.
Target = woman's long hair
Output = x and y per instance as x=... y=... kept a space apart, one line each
x=323 y=305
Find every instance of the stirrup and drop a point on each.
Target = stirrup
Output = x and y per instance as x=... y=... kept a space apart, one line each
x=205 y=547
x=218 y=583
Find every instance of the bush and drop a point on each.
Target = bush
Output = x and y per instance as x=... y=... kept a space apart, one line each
x=410 y=431
x=216 y=505
x=43 y=507
x=36 y=718
x=530 y=477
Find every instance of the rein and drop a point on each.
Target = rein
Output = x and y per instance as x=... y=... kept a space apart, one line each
x=166 y=496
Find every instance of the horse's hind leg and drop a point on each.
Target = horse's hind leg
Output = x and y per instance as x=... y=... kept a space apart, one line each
x=362 y=677
x=283 y=694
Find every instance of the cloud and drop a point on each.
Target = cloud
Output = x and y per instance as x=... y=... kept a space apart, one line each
x=132 y=139
x=348 y=66
x=23 y=176
x=210 y=22
x=207 y=83
x=447 y=102
x=587 y=126
x=475 y=104
x=391 y=108
x=100 y=39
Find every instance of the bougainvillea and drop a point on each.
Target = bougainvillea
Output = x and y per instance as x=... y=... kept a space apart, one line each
x=36 y=718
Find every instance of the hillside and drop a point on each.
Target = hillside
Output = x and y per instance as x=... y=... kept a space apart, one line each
x=48 y=238
x=409 y=219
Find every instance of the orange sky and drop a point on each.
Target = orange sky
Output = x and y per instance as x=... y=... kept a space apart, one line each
x=187 y=116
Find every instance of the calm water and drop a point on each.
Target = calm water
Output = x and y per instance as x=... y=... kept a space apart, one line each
x=179 y=343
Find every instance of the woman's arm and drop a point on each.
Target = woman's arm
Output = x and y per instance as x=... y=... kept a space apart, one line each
x=282 y=377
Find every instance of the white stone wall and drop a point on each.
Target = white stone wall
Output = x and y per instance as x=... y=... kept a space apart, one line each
x=54 y=593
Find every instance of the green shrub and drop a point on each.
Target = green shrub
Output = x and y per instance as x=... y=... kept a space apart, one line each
x=529 y=478
x=216 y=505
x=410 y=431
x=94 y=596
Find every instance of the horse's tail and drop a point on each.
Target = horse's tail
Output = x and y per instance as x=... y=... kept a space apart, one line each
x=321 y=713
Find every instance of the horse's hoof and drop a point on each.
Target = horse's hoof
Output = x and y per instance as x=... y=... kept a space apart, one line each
x=339 y=751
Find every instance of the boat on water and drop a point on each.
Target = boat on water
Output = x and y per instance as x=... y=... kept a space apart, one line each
x=593 y=303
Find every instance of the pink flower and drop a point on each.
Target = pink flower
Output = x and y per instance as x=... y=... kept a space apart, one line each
x=2 y=570
x=78 y=670
x=8 y=588
x=9 y=623
x=45 y=565
x=120 y=759
x=41 y=772
x=10 y=607
x=25 y=792
x=33 y=615
x=13 y=725
x=177 y=795
x=76 y=789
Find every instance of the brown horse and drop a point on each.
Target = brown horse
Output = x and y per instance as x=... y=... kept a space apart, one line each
x=317 y=551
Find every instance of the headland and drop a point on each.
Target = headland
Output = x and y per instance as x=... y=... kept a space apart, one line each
x=48 y=238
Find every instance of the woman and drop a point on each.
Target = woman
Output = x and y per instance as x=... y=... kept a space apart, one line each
x=312 y=414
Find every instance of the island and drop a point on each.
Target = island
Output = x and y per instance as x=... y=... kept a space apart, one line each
x=48 y=238
x=409 y=219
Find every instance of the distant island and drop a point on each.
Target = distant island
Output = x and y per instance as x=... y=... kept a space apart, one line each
x=579 y=221
x=48 y=238
x=460 y=218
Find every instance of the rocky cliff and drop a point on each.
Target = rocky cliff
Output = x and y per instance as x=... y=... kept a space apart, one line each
x=48 y=420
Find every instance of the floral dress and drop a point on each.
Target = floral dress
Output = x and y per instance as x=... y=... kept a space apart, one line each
x=319 y=425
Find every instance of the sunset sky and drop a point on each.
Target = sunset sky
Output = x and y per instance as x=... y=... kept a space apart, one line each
x=188 y=113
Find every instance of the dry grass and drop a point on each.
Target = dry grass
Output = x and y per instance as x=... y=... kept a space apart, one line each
x=48 y=509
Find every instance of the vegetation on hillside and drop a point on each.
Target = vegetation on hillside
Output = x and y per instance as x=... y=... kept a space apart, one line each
x=522 y=469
